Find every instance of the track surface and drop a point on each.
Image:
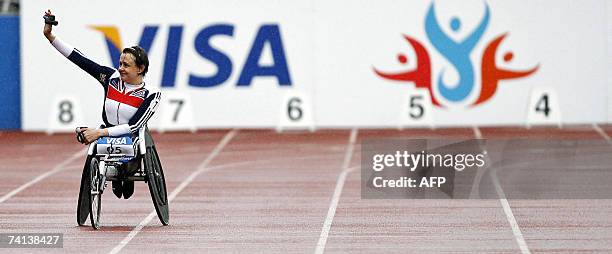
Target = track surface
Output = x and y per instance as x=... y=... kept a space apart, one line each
x=258 y=191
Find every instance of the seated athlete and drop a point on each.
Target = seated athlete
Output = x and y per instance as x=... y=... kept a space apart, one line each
x=128 y=102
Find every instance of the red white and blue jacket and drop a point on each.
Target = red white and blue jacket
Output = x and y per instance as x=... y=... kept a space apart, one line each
x=127 y=107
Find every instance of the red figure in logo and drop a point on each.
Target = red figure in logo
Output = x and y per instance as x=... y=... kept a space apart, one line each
x=421 y=76
x=491 y=74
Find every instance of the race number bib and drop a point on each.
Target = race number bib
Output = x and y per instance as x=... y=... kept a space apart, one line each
x=123 y=145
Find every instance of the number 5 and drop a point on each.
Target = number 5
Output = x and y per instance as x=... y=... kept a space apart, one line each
x=416 y=105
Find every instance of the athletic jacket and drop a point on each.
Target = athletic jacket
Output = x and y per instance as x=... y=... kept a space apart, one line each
x=127 y=107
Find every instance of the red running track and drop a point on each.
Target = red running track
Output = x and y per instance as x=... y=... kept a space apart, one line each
x=268 y=192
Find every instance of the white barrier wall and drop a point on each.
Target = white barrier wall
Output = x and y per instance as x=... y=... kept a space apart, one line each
x=340 y=63
x=609 y=58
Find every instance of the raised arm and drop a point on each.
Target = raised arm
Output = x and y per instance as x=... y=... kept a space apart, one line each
x=48 y=29
x=99 y=72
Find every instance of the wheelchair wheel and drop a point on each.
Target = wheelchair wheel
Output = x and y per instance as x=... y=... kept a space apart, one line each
x=95 y=196
x=157 y=184
x=84 y=190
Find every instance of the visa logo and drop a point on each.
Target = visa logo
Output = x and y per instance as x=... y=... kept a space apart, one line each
x=117 y=141
x=267 y=34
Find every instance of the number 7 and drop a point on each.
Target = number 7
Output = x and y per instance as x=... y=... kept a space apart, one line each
x=178 y=108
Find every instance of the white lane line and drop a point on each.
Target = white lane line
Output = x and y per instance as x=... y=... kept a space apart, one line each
x=602 y=133
x=477 y=132
x=200 y=169
x=57 y=168
x=481 y=170
x=516 y=230
x=337 y=193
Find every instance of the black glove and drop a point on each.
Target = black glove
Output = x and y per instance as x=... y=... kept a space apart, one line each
x=50 y=19
x=79 y=134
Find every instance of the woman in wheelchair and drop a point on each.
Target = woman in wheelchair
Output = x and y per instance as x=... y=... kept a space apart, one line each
x=128 y=102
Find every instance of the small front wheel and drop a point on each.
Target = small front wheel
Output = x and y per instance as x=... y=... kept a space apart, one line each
x=95 y=194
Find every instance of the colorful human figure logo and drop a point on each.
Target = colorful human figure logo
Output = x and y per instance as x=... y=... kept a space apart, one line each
x=421 y=76
x=492 y=74
x=458 y=55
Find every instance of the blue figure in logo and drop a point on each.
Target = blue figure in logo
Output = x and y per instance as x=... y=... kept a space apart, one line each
x=457 y=53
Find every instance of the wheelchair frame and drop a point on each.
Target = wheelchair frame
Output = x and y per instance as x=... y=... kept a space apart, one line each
x=93 y=180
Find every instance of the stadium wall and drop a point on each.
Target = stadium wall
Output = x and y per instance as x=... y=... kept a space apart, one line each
x=330 y=64
x=10 y=97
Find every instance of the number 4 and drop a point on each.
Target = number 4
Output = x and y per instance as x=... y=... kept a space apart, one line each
x=542 y=105
x=543 y=108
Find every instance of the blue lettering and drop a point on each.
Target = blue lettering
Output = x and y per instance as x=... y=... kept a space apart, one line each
x=146 y=40
x=267 y=34
x=223 y=62
x=172 y=55
x=251 y=69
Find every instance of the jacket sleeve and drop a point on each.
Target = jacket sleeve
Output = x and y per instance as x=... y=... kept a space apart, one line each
x=99 y=72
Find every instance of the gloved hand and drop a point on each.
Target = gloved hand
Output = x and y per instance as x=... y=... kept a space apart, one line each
x=80 y=136
x=50 y=19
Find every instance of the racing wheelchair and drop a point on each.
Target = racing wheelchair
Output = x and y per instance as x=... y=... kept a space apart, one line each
x=107 y=160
